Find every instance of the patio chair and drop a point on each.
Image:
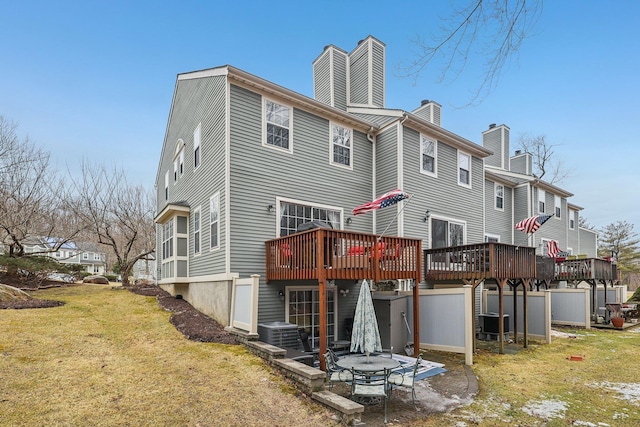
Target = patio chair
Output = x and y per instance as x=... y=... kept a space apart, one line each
x=406 y=379
x=369 y=387
x=336 y=374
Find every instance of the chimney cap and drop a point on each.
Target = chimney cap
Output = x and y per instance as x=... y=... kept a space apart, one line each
x=492 y=125
x=518 y=152
x=424 y=102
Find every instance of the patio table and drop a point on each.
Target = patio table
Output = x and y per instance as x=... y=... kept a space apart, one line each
x=370 y=364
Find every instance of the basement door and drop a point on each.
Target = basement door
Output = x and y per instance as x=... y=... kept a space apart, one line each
x=303 y=309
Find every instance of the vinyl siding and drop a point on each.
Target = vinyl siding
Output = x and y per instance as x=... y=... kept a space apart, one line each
x=340 y=80
x=387 y=177
x=492 y=140
x=377 y=75
x=588 y=243
x=573 y=235
x=498 y=222
x=521 y=211
x=442 y=195
x=359 y=75
x=259 y=174
x=197 y=101
x=322 y=78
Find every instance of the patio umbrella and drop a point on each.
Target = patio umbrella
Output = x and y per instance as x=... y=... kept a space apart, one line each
x=531 y=224
x=365 y=336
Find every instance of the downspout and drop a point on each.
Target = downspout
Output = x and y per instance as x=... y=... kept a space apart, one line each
x=372 y=140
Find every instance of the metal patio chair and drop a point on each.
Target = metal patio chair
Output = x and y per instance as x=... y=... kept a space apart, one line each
x=406 y=379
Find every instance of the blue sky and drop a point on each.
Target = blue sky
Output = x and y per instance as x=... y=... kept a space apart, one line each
x=94 y=80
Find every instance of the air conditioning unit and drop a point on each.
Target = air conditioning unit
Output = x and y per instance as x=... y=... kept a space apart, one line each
x=280 y=334
x=489 y=323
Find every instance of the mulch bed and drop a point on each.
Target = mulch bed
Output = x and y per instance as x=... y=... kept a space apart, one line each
x=194 y=325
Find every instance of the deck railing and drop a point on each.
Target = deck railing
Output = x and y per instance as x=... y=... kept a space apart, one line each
x=337 y=254
x=585 y=268
x=479 y=261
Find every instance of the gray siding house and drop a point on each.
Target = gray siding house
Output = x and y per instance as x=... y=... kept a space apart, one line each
x=245 y=161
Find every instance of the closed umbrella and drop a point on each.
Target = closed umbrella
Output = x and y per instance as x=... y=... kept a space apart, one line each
x=365 y=336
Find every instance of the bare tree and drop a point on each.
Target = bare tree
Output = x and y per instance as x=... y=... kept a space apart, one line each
x=545 y=163
x=117 y=214
x=492 y=30
x=32 y=197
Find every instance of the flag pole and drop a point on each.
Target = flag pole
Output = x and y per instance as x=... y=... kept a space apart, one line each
x=394 y=218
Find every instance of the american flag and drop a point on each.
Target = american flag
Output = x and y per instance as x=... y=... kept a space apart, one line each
x=531 y=224
x=387 y=199
x=552 y=248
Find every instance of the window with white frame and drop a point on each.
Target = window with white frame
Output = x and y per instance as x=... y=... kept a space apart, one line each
x=196 y=230
x=293 y=214
x=166 y=185
x=175 y=170
x=196 y=146
x=277 y=119
x=541 y=200
x=446 y=233
x=491 y=238
x=557 y=202
x=181 y=162
x=303 y=309
x=214 y=221
x=85 y=255
x=464 y=169
x=572 y=219
x=428 y=152
x=96 y=257
x=499 y=193
x=178 y=161
x=341 y=149
x=167 y=239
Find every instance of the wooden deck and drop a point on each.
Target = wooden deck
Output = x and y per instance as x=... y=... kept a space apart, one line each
x=321 y=254
x=479 y=262
x=585 y=269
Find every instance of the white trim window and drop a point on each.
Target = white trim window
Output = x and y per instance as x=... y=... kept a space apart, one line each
x=167 y=240
x=96 y=257
x=541 y=200
x=85 y=255
x=428 y=155
x=498 y=190
x=196 y=146
x=294 y=213
x=181 y=162
x=166 y=185
x=464 y=169
x=445 y=233
x=214 y=221
x=277 y=125
x=491 y=238
x=572 y=219
x=341 y=146
x=196 y=230
x=557 y=201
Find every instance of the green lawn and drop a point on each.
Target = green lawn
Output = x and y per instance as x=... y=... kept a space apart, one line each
x=110 y=357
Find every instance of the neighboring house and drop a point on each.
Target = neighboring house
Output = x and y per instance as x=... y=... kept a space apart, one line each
x=89 y=255
x=144 y=268
x=245 y=161
x=514 y=192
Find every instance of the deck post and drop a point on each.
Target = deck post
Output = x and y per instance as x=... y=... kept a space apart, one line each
x=322 y=295
x=525 y=326
x=501 y=283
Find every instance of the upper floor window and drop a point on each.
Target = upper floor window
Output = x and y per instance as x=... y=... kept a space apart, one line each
x=214 y=220
x=166 y=185
x=464 y=169
x=341 y=145
x=293 y=214
x=541 y=201
x=572 y=219
x=196 y=146
x=428 y=153
x=499 y=192
x=557 y=201
x=96 y=257
x=196 y=230
x=85 y=255
x=277 y=119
